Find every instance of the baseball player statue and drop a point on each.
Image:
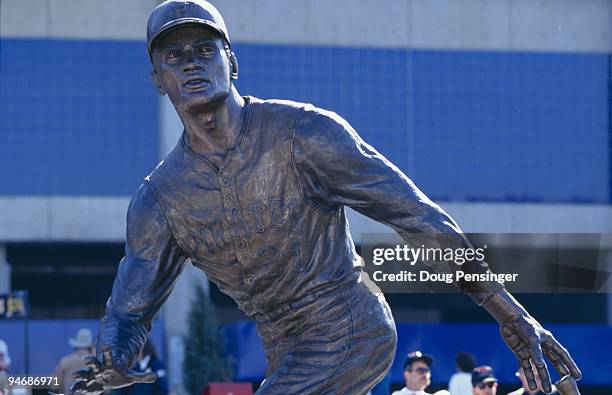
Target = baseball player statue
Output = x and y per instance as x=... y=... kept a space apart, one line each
x=254 y=195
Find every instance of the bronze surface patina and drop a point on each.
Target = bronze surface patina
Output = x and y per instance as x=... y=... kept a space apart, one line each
x=254 y=195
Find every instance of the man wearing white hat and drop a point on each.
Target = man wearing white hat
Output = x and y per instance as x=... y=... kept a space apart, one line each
x=83 y=347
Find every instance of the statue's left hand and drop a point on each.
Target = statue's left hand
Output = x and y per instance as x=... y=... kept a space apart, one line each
x=530 y=342
x=106 y=375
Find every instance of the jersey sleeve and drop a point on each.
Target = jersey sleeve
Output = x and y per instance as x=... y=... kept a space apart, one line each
x=337 y=168
x=146 y=275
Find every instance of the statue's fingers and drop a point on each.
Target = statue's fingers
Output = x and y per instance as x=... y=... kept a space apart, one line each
x=93 y=387
x=529 y=375
x=556 y=361
x=107 y=357
x=82 y=375
x=77 y=386
x=146 y=377
x=567 y=360
x=542 y=369
x=521 y=351
x=93 y=364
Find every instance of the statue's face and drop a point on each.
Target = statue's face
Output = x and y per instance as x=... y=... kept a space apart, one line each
x=192 y=66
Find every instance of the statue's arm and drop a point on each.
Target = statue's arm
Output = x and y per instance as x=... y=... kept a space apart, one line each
x=146 y=275
x=336 y=167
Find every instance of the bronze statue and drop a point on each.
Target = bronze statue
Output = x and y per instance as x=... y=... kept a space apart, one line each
x=254 y=195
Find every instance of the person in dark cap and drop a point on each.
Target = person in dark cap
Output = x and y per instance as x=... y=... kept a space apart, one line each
x=417 y=374
x=484 y=381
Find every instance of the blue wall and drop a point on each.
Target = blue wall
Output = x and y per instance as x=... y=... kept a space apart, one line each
x=589 y=345
x=76 y=117
x=483 y=126
x=48 y=341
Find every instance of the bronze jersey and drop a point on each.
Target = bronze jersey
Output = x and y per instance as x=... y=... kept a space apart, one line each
x=268 y=226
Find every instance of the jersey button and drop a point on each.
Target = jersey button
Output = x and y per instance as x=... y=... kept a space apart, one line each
x=250 y=280
x=225 y=182
x=241 y=244
x=229 y=199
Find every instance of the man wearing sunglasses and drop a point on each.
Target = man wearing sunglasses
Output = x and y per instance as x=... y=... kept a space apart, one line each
x=484 y=381
x=417 y=373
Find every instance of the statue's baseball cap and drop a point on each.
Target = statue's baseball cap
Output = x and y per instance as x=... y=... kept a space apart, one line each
x=173 y=13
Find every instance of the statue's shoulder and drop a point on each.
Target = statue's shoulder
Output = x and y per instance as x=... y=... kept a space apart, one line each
x=277 y=105
x=304 y=116
x=281 y=109
x=170 y=169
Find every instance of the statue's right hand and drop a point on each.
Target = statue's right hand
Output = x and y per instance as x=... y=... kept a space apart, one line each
x=98 y=376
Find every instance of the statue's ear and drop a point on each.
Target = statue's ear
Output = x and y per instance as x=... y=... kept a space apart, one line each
x=157 y=83
x=234 y=65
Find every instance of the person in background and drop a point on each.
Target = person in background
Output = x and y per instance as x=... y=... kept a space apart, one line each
x=484 y=381
x=417 y=374
x=69 y=364
x=525 y=386
x=5 y=362
x=148 y=361
x=461 y=382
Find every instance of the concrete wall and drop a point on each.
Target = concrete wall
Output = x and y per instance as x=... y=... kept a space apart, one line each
x=542 y=25
x=99 y=19
x=521 y=25
x=86 y=219
x=51 y=218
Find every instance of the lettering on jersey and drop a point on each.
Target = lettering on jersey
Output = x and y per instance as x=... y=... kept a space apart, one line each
x=256 y=209
x=241 y=228
x=221 y=232
x=278 y=213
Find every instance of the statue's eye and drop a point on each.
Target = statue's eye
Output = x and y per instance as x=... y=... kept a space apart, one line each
x=173 y=55
x=206 y=50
